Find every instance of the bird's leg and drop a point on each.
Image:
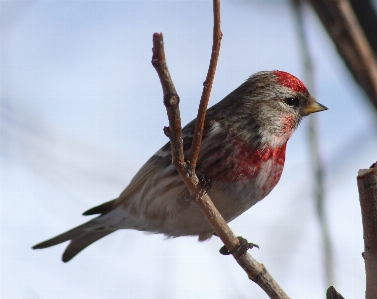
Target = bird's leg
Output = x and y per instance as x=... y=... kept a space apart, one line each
x=205 y=183
x=240 y=249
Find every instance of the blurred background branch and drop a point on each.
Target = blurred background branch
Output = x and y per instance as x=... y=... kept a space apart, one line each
x=367 y=17
x=313 y=144
x=342 y=25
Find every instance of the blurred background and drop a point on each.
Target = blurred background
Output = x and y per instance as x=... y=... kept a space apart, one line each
x=81 y=111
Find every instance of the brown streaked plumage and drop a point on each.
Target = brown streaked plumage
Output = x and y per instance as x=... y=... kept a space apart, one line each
x=242 y=154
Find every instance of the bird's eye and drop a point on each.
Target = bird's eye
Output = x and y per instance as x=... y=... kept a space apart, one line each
x=291 y=101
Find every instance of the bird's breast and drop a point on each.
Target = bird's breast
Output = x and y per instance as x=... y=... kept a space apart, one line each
x=239 y=163
x=241 y=176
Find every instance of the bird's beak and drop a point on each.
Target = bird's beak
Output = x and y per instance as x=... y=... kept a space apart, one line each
x=314 y=107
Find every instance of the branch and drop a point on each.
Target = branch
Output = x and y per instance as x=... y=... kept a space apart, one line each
x=171 y=98
x=341 y=24
x=367 y=184
x=255 y=271
x=333 y=294
x=207 y=86
x=367 y=16
x=314 y=150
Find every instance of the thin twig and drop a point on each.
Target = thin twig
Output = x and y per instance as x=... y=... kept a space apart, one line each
x=207 y=86
x=255 y=271
x=171 y=98
x=312 y=133
x=367 y=184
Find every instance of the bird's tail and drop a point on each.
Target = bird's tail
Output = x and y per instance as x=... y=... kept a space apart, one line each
x=80 y=236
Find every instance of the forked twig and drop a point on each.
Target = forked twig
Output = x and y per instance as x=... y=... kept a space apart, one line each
x=255 y=271
x=174 y=133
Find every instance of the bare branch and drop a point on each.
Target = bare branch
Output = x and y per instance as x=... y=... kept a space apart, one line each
x=333 y=294
x=255 y=271
x=171 y=99
x=207 y=86
x=367 y=184
x=341 y=24
x=219 y=224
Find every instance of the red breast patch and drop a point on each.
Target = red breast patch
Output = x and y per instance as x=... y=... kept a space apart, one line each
x=243 y=165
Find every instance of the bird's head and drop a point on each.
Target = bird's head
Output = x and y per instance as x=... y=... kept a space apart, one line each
x=296 y=97
x=277 y=101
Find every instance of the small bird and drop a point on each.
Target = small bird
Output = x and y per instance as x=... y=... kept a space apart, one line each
x=242 y=156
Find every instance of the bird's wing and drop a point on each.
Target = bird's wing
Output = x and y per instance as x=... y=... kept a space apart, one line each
x=160 y=162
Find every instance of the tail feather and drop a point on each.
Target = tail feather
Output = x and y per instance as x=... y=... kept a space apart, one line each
x=101 y=209
x=80 y=236
x=74 y=232
x=81 y=242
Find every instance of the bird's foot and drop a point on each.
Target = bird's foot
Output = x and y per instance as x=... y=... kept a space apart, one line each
x=240 y=249
x=206 y=184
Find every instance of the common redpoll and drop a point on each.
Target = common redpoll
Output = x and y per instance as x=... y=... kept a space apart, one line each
x=242 y=155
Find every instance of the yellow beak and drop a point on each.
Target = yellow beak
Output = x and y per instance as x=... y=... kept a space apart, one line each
x=314 y=107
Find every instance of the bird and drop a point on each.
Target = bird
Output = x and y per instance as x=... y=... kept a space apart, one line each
x=242 y=155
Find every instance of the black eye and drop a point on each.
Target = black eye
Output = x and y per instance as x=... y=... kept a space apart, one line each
x=291 y=101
